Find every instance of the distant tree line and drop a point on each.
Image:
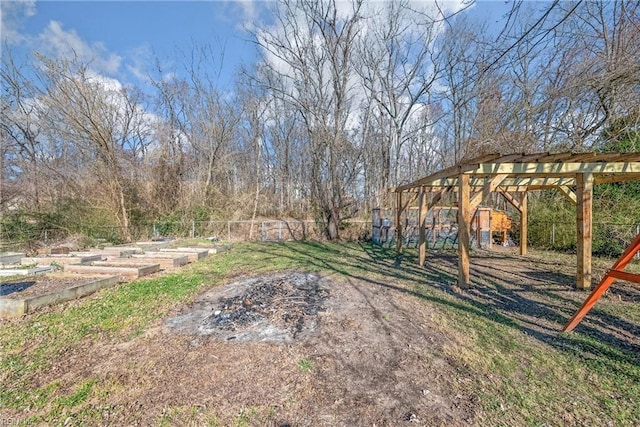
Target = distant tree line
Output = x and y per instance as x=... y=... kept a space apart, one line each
x=347 y=99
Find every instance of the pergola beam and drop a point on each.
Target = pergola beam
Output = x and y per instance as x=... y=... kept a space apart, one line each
x=489 y=187
x=481 y=182
x=524 y=222
x=616 y=178
x=422 y=238
x=512 y=201
x=554 y=169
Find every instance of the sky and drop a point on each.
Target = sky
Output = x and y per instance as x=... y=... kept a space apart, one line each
x=123 y=39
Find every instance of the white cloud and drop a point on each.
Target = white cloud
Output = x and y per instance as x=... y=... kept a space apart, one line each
x=13 y=13
x=138 y=60
x=108 y=84
x=249 y=9
x=54 y=41
x=246 y=13
x=60 y=43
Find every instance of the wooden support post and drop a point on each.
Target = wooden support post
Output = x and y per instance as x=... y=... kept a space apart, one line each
x=584 y=194
x=399 y=222
x=524 y=222
x=464 y=230
x=422 y=216
x=521 y=205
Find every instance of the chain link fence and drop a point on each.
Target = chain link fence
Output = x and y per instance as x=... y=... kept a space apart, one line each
x=249 y=230
x=609 y=239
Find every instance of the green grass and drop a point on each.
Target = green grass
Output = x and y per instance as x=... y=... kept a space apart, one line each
x=519 y=378
x=305 y=365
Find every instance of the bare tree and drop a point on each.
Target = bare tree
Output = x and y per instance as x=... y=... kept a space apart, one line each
x=105 y=125
x=605 y=80
x=212 y=118
x=462 y=47
x=167 y=160
x=198 y=131
x=311 y=57
x=21 y=134
x=398 y=64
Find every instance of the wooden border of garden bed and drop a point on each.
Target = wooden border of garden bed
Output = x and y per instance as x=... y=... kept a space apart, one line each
x=125 y=272
x=17 y=307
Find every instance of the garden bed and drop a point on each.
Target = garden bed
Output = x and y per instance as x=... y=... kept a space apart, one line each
x=126 y=271
x=24 y=295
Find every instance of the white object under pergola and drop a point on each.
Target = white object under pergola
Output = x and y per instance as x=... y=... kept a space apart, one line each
x=513 y=176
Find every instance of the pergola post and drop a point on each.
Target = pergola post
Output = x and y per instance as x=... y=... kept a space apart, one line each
x=523 y=223
x=422 y=216
x=464 y=231
x=399 y=221
x=584 y=195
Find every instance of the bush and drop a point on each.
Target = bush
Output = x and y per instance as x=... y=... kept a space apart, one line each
x=616 y=213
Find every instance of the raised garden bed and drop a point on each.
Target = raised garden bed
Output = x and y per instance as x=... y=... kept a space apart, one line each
x=120 y=250
x=24 y=295
x=60 y=259
x=15 y=271
x=10 y=257
x=194 y=254
x=166 y=260
x=154 y=245
x=125 y=272
x=212 y=249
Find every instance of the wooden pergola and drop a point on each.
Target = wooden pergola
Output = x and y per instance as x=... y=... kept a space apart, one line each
x=513 y=176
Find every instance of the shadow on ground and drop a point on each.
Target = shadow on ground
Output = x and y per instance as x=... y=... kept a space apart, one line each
x=532 y=295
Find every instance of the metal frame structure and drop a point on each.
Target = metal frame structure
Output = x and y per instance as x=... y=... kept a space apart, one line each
x=513 y=176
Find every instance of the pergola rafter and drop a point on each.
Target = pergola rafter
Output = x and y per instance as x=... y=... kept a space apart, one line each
x=513 y=176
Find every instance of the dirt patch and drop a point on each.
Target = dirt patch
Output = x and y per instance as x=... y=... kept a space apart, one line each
x=280 y=308
x=366 y=354
x=538 y=293
x=38 y=285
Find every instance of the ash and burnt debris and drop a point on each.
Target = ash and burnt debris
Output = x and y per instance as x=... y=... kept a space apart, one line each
x=286 y=302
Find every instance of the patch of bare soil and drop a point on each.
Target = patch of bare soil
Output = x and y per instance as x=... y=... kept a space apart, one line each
x=537 y=292
x=306 y=351
x=30 y=286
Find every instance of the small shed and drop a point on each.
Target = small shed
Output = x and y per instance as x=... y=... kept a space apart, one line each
x=514 y=176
